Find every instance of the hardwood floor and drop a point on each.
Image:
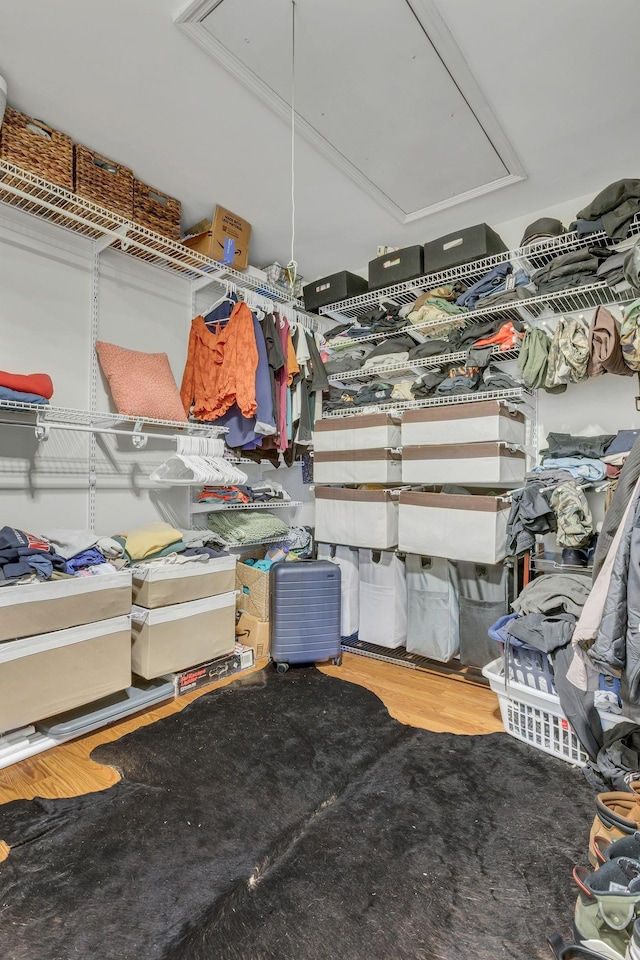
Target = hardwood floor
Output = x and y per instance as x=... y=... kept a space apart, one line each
x=414 y=697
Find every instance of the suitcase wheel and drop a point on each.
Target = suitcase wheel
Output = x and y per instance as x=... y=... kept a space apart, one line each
x=337 y=660
x=282 y=667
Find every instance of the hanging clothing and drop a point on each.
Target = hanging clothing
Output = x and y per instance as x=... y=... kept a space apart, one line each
x=282 y=378
x=246 y=433
x=221 y=367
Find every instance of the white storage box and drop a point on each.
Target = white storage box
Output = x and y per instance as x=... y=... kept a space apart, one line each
x=160 y=586
x=464 y=463
x=357 y=466
x=458 y=526
x=359 y=518
x=536 y=717
x=367 y=432
x=463 y=423
x=170 y=639
x=48 y=674
x=36 y=608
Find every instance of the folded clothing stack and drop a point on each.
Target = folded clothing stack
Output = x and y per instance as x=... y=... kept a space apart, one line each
x=26 y=388
x=248 y=526
x=262 y=492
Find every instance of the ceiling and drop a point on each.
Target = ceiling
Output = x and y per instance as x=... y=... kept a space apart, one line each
x=546 y=88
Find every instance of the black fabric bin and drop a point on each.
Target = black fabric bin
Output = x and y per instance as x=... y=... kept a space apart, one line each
x=471 y=243
x=395 y=267
x=338 y=286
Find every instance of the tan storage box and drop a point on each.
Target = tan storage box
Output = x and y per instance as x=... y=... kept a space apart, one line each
x=473 y=422
x=161 y=586
x=253 y=591
x=358 y=518
x=59 y=604
x=169 y=639
x=155 y=210
x=463 y=463
x=36 y=147
x=50 y=673
x=105 y=182
x=357 y=466
x=225 y=226
x=254 y=633
x=458 y=526
x=366 y=432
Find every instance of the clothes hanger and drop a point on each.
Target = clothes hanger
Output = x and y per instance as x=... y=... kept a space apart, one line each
x=230 y=294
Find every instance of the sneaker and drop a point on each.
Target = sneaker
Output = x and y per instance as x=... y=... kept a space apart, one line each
x=607 y=906
x=570 y=951
x=633 y=950
x=575 y=557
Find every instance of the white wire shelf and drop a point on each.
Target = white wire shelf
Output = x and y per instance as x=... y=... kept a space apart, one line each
x=254 y=543
x=519 y=394
x=527 y=309
x=24 y=190
x=48 y=415
x=392 y=369
x=217 y=507
x=530 y=258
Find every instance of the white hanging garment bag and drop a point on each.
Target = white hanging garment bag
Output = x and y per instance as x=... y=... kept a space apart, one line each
x=383 y=598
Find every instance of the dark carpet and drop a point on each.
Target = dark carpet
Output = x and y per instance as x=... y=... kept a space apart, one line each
x=290 y=818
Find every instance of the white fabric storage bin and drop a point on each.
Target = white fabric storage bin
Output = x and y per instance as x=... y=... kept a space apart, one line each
x=50 y=673
x=357 y=466
x=383 y=599
x=183 y=635
x=464 y=463
x=347 y=559
x=473 y=422
x=367 y=432
x=433 y=614
x=34 y=608
x=457 y=526
x=360 y=518
x=160 y=586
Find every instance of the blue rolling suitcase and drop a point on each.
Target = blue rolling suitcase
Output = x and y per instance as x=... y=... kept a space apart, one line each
x=305 y=612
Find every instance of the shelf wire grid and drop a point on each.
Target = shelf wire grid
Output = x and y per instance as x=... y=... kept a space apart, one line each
x=217 y=507
x=517 y=394
x=50 y=414
x=24 y=190
x=393 y=369
x=537 y=306
x=529 y=258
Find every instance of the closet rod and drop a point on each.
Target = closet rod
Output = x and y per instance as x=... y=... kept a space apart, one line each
x=138 y=437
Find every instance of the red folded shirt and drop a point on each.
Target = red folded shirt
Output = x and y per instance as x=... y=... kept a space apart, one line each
x=38 y=383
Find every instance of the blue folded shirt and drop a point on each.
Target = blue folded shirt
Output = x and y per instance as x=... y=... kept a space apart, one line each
x=582 y=468
x=7 y=394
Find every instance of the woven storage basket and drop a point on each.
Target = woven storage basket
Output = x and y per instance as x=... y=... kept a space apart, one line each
x=156 y=211
x=36 y=147
x=103 y=181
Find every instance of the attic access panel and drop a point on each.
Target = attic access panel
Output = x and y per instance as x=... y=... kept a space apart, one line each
x=380 y=88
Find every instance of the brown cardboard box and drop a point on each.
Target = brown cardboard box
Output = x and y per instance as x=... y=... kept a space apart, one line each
x=254 y=633
x=253 y=591
x=226 y=226
x=161 y=586
x=45 y=675
x=170 y=639
x=34 y=608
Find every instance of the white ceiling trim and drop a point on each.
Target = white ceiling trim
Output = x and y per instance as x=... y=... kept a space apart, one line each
x=190 y=21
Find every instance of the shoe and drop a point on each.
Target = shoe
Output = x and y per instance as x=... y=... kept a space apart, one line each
x=575 y=557
x=570 y=951
x=607 y=906
x=633 y=950
x=617 y=815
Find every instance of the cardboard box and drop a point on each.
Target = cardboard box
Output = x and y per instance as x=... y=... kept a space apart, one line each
x=34 y=608
x=48 y=674
x=227 y=228
x=205 y=673
x=179 y=583
x=170 y=639
x=254 y=633
x=253 y=591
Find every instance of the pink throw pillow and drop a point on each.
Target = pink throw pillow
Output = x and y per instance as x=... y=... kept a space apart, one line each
x=141 y=384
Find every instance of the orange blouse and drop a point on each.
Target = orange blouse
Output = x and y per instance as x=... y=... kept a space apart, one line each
x=221 y=367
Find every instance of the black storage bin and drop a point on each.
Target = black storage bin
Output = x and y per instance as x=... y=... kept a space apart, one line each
x=395 y=267
x=339 y=286
x=472 y=243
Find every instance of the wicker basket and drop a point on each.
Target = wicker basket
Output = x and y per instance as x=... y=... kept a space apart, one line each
x=36 y=147
x=156 y=210
x=103 y=181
